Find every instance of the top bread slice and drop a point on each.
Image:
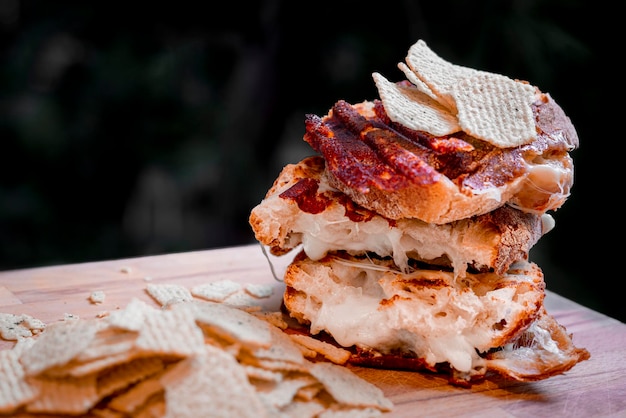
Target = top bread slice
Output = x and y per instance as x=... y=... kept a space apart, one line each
x=402 y=173
x=301 y=208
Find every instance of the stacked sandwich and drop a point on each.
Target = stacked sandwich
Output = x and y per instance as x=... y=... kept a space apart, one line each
x=413 y=221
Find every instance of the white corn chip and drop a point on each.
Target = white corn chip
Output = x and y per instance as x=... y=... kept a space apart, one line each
x=496 y=109
x=243 y=300
x=216 y=291
x=67 y=395
x=211 y=381
x=438 y=74
x=230 y=324
x=410 y=107
x=79 y=369
x=415 y=80
x=347 y=388
x=126 y=374
x=170 y=332
x=281 y=348
x=168 y=293
x=130 y=318
x=280 y=394
x=58 y=345
x=136 y=396
x=14 y=390
x=262 y=374
x=108 y=342
x=274 y=318
x=280 y=365
x=335 y=354
x=260 y=290
x=142 y=361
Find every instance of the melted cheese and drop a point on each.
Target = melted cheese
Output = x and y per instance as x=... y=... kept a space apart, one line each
x=374 y=308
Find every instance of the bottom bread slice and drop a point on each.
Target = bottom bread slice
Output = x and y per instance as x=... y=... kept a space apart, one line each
x=428 y=319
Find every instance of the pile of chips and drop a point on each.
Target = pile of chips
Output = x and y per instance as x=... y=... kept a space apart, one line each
x=189 y=356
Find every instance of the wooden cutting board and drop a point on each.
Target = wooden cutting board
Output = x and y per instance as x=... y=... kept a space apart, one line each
x=593 y=388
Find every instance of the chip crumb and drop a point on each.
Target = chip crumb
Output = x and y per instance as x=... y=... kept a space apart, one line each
x=14 y=327
x=97 y=297
x=126 y=269
x=70 y=317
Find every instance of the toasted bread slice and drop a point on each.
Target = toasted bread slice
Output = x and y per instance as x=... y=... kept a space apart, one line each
x=402 y=173
x=301 y=208
x=469 y=327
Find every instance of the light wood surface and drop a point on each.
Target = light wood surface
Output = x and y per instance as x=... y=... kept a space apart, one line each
x=593 y=388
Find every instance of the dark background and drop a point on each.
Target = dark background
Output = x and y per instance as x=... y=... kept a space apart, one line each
x=133 y=132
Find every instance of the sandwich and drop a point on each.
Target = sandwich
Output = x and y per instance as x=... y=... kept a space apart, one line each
x=412 y=221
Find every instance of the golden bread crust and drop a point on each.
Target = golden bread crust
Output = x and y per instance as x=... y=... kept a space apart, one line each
x=400 y=173
x=302 y=209
x=512 y=336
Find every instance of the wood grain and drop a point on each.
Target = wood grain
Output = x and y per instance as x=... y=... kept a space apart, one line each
x=593 y=388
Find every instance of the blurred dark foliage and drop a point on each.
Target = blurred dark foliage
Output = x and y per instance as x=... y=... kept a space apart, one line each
x=155 y=129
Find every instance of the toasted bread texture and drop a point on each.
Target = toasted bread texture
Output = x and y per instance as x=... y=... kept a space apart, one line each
x=401 y=173
x=472 y=326
x=301 y=208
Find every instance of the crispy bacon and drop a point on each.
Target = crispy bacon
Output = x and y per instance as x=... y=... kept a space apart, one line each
x=365 y=149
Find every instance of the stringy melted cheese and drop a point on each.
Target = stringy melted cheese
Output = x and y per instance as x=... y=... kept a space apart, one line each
x=361 y=304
